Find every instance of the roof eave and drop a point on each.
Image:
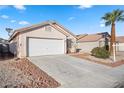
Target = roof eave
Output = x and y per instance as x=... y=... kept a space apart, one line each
x=37 y=25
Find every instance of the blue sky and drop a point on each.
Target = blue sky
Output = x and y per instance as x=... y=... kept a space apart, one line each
x=78 y=19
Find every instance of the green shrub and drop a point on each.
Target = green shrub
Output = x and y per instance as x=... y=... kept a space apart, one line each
x=100 y=52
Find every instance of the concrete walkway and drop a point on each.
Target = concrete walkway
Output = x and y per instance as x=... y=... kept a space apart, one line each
x=74 y=72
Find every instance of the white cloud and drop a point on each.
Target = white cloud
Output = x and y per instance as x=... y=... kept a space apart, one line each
x=20 y=7
x=102 y=23
x=71 y=18
x=4 y=16
x=24 y=23
x=13 y=21
x=84 y=6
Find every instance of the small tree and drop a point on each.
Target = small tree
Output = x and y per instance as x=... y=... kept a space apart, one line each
x=100 y=52
x=10 y=31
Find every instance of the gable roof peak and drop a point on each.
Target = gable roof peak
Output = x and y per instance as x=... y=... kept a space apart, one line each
x=48 y=22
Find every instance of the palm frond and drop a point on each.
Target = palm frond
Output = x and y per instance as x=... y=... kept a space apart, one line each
x=106 y=16
x=118 y=15
x=120 y=18
x=108 y=23
x=114 y=16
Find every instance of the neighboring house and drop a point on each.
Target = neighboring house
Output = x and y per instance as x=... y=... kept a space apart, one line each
x=4 y=46
x=87 y=42
x=47 y=38
x=120 y=43
x=3 y=41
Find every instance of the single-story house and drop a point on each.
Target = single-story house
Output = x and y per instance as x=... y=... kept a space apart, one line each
x=120 y=43
x=47 y=38
x=86 y=42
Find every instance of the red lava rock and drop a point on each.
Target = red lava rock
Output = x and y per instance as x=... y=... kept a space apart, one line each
x=40 y=78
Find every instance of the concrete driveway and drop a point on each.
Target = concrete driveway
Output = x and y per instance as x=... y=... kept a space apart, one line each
x=74 y=72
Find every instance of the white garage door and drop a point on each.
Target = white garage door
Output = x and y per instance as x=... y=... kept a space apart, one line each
x=121 y=47
x=39 y=47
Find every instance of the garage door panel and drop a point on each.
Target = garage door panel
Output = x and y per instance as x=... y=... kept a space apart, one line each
x=121 y=47
x=39 y=47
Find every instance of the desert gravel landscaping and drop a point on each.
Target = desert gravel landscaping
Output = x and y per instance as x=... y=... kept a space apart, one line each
x=23 y=74
x=107 y=62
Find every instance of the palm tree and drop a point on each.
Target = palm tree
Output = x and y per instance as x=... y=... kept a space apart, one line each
x=110 y=19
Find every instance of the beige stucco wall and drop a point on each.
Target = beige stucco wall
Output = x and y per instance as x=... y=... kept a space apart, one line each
x=120 y=47
x=87 y=46
x=37 y=33
x=70 y=36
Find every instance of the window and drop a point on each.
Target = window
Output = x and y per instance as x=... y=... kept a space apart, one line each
x=48 y=28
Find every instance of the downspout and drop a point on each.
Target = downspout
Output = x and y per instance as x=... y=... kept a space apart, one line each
x=66 y=44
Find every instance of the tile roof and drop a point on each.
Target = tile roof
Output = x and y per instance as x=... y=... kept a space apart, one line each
x=39 y=25
x=120 y=39
x=90 y=38
x=80 y=36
